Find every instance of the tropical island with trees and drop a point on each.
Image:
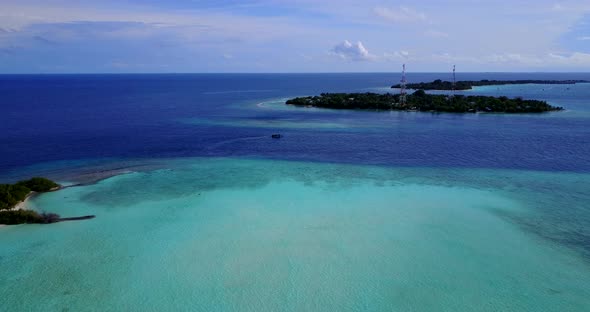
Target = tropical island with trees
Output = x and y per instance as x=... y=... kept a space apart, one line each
x=421 y=101
x=468 y=85
x=12 y=196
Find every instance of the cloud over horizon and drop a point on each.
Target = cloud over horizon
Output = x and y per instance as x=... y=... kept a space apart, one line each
x=350 y=51
x=401 y=14
x=298 y=35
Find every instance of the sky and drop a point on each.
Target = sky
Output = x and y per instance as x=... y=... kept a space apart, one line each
x=196 y=36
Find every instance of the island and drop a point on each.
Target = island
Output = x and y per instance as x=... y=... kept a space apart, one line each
x=13 y=197
x=468 y=85
x=421 y=101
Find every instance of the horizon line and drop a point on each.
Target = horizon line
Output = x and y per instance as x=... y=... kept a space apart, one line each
x=293 y=73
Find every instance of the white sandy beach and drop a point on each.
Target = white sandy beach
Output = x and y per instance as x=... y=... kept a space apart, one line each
x=23 y=204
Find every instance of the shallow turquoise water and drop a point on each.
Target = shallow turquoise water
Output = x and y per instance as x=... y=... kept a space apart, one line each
x=453 y=218
x=260 y=235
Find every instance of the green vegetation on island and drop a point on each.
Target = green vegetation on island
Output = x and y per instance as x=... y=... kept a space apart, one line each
x=421 y=101
x=13 y=194
x=468 y=85
x=10 y=217
x=39 y=185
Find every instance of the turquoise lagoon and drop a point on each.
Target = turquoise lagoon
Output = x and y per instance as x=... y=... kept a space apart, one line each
x=227 y=234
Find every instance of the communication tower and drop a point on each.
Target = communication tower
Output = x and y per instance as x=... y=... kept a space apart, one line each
x=402 y=89
x=454 y=81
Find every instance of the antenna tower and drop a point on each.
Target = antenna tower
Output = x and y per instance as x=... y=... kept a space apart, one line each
x=402 y=90
x=454 y=80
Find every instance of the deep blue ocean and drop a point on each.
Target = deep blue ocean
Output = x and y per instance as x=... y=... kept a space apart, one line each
x=199 y=209
x=71 y=117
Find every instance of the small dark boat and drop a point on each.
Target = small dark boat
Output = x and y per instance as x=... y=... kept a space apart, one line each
x=276 y=136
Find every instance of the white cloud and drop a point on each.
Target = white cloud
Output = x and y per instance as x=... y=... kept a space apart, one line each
x=549 y=59
x=573 y=59
x=396 y=56
x=400 y=14
x=449 y=58
x=349 y=51
x=121 y=65
x=517 y=60
x=514 y=58
x=557 y=7
x=18 y=17
x=175 y=35
x=436 y=34
x=306 y=57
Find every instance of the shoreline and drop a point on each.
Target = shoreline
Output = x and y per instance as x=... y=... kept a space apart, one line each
x=87 y=173
x=23 y=204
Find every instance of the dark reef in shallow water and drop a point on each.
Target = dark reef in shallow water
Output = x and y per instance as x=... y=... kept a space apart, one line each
x=11 y=217
x=421 y=101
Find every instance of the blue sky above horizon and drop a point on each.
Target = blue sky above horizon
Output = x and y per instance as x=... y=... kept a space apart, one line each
x=61 y=36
